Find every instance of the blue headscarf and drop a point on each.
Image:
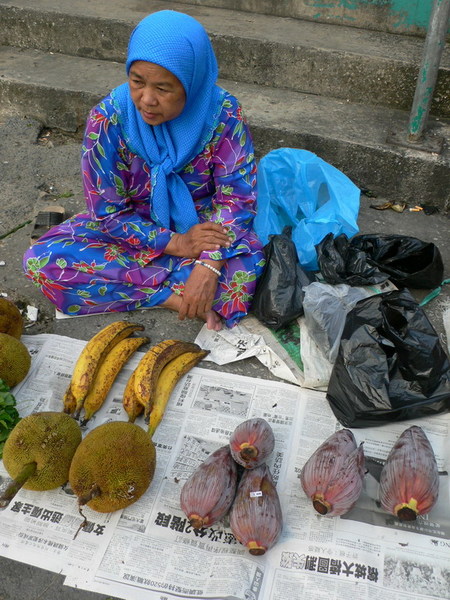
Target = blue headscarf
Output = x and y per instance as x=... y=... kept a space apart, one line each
x=180 y=44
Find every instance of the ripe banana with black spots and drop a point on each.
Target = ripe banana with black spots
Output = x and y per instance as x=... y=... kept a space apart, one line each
x=130 y=403
x=93 y=354
x=69 y=402
x=167 y=380
x=150 y=366
x=107 y=373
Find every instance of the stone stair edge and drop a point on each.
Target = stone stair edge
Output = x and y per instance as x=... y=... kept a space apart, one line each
x=56 y=83
x=371 y=15
x=266 y=27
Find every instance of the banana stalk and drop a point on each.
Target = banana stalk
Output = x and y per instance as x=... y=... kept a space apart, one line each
x=150 y=366
x=168 y=378
x=93 y=354
x=107 y=373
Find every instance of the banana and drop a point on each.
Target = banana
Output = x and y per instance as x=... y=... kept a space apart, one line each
x=93 y=355
x=69 y=402
x=132 y=406
x=107 y=373
x=150 y=366
x=167 y=380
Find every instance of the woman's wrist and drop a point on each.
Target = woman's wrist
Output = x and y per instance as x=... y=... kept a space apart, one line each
x=173 y=245
x=208 y=266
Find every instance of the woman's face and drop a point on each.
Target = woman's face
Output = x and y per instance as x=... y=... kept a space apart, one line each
x=156 y=92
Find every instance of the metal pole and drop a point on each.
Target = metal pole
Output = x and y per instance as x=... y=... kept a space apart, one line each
x=426 y=81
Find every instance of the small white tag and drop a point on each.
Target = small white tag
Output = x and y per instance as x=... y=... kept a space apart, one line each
x=256 y=494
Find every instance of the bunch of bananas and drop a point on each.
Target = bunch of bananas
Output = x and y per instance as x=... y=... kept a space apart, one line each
x=151 y=383
x=149 y=386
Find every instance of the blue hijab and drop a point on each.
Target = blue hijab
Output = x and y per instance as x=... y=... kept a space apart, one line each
x=180 y=44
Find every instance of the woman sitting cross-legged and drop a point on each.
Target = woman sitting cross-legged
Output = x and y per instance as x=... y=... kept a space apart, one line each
x=169 y=177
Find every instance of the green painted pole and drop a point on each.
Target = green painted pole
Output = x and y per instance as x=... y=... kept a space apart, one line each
x=426 y=81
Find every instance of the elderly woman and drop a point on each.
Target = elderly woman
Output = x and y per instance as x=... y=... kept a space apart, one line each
x=170 y=183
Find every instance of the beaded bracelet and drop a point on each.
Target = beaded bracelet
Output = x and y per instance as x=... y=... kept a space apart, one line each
x=210 y=267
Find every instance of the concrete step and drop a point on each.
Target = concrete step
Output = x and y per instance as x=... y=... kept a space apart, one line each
x=406 y=17
x=59 y=90
x=352 y=64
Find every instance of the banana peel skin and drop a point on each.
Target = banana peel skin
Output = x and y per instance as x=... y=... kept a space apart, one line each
x=150 y=366
x=93 y=355
x=108 y=372
x=170 y=375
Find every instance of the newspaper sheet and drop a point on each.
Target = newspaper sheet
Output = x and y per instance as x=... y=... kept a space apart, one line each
x=150 y=551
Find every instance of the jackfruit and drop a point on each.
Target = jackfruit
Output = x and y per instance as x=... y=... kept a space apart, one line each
x=42 y=445
x=113 y=466
x=15 y=360
x=11 y=320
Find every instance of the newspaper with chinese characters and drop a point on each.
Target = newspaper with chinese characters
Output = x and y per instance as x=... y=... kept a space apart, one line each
x=149 y=551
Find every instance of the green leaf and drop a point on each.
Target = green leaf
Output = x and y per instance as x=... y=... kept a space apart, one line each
x=93 y=136
x=74 y=308
x=135 y=227
x=120 y=190
x=61 y=262
x=97 y=162
x=43 y=261
x=9 y=417
x=121 y=260
x=101 y=150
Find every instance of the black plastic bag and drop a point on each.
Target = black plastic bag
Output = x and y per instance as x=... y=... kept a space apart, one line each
x=390 y=366
x=408 y=261
x=340 y=262
x=279 y=298
x=373 y=258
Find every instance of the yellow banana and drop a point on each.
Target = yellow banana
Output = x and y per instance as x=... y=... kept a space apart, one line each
x=168 y=378
x=69 y=402
x=94 y=353
x=132 y=406
x=107 y=373
x=150 y=365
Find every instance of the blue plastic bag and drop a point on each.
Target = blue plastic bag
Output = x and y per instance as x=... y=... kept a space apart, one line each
x=296 y=188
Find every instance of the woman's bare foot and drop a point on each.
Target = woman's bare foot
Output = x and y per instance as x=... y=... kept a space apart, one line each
x=212 y=319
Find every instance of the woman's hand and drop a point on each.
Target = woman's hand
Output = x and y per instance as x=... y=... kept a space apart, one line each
x=199 y=293
x=204 y=237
